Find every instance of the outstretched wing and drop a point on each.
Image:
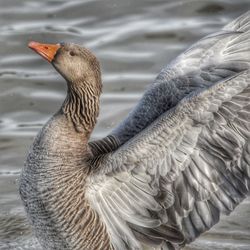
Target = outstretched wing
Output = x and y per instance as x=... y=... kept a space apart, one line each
x=210 y=60
x=181 y=172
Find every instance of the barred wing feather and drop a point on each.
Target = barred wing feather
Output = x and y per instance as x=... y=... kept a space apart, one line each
x=171 y=181
x=212 y=59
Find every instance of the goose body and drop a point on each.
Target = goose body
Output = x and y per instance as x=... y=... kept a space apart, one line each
x=166 y=173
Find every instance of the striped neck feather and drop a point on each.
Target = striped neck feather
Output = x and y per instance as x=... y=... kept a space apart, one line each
x=81 y=105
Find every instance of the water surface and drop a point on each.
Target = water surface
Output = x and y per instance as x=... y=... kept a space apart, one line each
x=133 y=40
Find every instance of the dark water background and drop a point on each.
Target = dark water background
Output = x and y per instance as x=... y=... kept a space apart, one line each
x=133 y=39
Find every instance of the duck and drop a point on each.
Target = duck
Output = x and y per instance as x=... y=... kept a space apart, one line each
x=166 y=173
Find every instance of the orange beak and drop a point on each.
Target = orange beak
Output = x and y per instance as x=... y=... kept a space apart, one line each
x=47 y=51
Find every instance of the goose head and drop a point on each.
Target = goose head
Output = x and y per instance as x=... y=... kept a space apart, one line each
x=76 y=64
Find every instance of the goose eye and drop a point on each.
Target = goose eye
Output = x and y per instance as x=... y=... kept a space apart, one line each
x=72 y=53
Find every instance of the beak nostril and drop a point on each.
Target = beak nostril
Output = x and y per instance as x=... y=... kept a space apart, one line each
x=46 y=47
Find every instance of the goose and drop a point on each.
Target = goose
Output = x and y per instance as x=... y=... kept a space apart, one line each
x=166 y=173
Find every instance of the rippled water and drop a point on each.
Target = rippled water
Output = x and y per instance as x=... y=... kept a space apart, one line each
x=133 y=39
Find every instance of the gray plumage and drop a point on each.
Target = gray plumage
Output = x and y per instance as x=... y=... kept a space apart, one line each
x=162 y=177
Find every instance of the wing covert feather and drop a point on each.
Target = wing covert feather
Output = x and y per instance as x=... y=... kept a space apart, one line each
x=175 y=173
x=212 y=59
